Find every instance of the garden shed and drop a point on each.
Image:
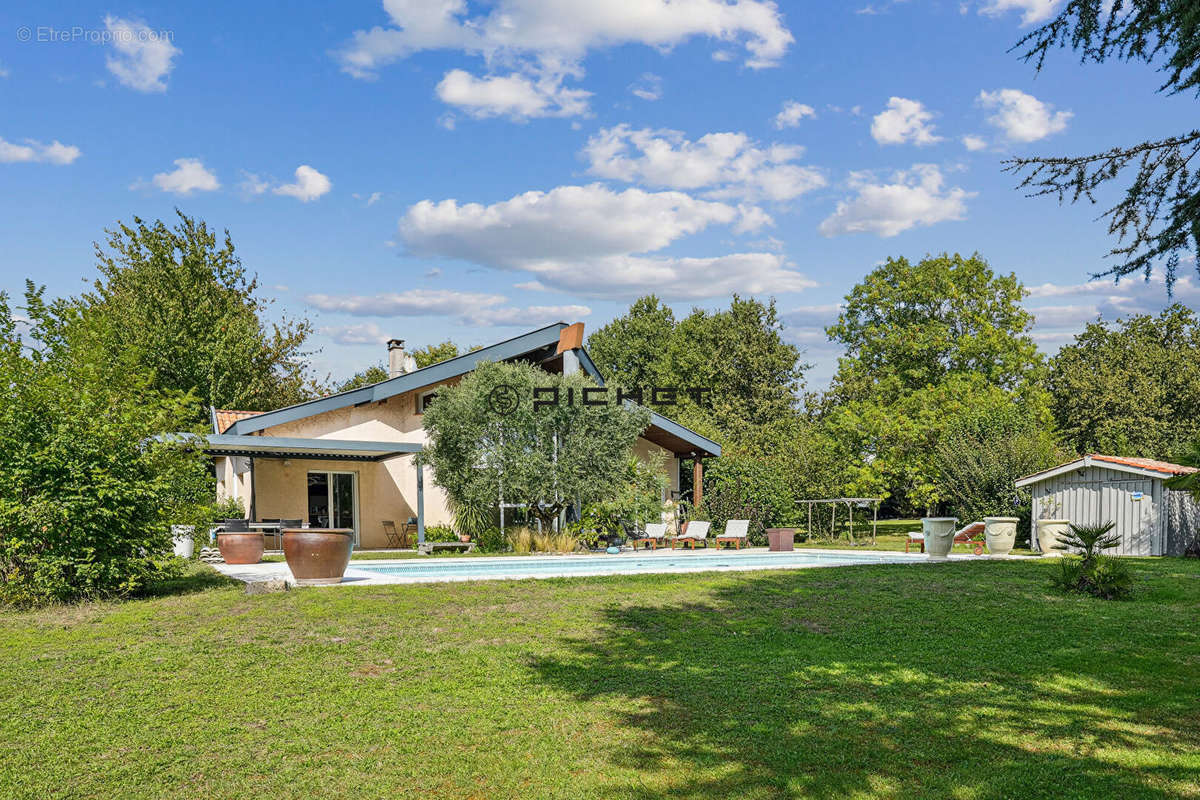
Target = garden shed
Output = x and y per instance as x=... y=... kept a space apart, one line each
x=1151 y=519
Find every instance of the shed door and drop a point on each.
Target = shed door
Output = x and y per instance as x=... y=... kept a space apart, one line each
x=1130 y=505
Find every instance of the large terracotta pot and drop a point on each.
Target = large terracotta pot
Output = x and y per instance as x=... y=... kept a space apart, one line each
x=781 y=539
x=240 y=547
x=1048 y=533
x=939 y=535
x=1000 y=533
x=317 y=556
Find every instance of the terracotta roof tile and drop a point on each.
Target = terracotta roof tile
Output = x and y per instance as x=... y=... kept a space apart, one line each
x=1145 y=463
x=227 y=418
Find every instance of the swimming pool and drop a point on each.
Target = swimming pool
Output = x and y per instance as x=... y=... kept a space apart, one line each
x=514 y=567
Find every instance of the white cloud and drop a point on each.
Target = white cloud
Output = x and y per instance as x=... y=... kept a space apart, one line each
x=469 y=308
x=914 y=197
x=1032 y=11
x=309 y=185
x=33 y=151
x=141 y=56
x=727 y=165
x=360 y=333
x=974 y=143
x=189 y=175
x=904 y=121
x=1022 y=117
x=1073 y=306
x=792 y=113
x=594 y=241
x=515 y=96
x=252 y=184
x=648 y=87
x=563 y=31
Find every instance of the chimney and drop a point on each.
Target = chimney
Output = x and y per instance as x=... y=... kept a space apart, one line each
x=399 y=362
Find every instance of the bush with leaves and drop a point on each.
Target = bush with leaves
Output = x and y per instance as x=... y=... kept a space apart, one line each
x=982 y=453
x=747 y=487
x=87 y=493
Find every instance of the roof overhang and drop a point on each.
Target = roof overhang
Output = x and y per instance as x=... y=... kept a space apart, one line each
x=681 y=441
x=289 y=447
x=1090 y=461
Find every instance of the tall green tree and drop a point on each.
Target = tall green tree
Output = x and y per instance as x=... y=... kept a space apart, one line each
x=176 y=303
x=629 y=351
x=432 y=354
x=1130 y=389
x=1158 y=218
x=925 y=344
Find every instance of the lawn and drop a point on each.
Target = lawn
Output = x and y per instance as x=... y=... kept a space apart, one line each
x=970 y=680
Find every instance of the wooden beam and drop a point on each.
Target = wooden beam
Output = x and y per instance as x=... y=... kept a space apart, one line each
x=697 y=481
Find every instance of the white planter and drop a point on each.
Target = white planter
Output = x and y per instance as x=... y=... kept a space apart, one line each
x=939 y=535
x=1000 y=533
x=1048 y=533
x=182 y=537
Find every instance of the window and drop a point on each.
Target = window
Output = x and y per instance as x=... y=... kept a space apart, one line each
x=424 y=399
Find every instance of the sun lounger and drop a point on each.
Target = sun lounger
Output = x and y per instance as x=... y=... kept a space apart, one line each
x=697 y=533
x=654 y=535
x=736 y=533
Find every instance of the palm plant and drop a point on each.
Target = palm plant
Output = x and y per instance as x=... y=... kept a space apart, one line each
x=1091 y=539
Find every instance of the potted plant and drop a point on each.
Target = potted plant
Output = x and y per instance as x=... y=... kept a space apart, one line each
x=238 y=544
x=1050 y=533
x=317 y=556
x=1000 y=534
x=939 y=535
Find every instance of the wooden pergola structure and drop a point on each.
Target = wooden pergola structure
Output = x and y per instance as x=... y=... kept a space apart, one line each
x=851 y=502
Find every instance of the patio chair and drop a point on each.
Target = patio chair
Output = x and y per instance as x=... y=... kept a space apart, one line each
x=395 y=538
x=736 y=533
x=654 y=535
x=235 y=525
x=696 y=533
x=968 y=535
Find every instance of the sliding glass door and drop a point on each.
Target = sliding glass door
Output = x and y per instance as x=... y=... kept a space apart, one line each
x=333 y=500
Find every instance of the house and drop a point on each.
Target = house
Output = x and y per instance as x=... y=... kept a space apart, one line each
x=1151 y=519
x=352 y=460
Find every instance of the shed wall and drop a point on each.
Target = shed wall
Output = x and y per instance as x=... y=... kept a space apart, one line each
x=1183 y=523
x=1096 y=495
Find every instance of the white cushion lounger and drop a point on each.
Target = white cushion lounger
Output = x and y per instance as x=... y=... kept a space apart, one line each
x=736 y=533
x=697 y=533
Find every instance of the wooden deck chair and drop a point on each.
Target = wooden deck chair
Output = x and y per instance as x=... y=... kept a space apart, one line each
x=394 y=539
x=736 y=533
x=654 y=535
x=696 y=533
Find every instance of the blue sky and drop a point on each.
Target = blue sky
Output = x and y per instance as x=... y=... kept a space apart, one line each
x=443 y=169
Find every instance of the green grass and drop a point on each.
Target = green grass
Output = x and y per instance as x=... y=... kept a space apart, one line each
x=967 y=680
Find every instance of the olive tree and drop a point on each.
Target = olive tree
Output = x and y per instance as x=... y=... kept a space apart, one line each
x=518 y=432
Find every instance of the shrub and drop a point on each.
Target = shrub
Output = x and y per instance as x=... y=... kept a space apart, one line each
x=440 y=533
x=746 y=487
x=521 y=540
x=87 y=494
x=1101 y=576
x=490 y=540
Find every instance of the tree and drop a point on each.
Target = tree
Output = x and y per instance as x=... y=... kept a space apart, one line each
x=906 y=327
x=1132 y=389
x=980 y=456
x=434 y=353
x=486 y=440
x=177 y=304
x=629 y=351
x=925 y=344
x=86 y=490
x=1159 y=216
x=367 y=377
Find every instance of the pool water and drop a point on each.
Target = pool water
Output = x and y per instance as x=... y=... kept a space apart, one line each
x=626 y=563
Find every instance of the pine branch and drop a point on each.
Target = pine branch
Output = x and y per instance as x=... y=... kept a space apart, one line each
x=1159 y=216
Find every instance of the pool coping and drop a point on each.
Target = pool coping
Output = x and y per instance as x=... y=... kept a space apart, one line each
x=365 y=576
